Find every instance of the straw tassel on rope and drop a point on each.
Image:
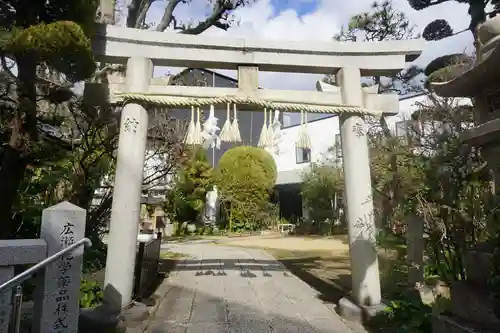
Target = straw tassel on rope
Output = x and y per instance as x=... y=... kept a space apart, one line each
x=190 y=131
x=270 y=131
x=263 y=133
x=307 y=138
x=225 y=133
x=235 y=128
x=276 y=125
x=197 y=139
x=303 y=141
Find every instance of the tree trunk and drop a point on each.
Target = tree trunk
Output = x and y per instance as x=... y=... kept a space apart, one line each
x=11 y=175
x=22 y=130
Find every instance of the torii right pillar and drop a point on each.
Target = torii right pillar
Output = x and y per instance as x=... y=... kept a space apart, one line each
x=366 y=294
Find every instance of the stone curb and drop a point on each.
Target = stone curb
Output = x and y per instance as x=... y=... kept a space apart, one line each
x=196 y=241
x=158 y=296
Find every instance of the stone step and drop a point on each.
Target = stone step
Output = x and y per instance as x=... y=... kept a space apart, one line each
x=471 y=302
x=478 y=265
x=451 y=324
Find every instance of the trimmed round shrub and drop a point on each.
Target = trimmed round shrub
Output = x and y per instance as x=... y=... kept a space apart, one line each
x=246 y=167
x=245 y=177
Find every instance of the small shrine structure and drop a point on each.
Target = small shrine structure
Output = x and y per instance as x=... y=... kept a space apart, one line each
x=472 y=309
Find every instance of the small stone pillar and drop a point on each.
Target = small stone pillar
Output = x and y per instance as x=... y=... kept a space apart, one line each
x=415 y=250
x=56 y=299
x=126 y=207
x=359 y=202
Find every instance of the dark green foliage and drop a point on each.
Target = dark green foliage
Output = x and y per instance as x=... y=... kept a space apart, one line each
x=437 y=30
x=186 y=200
x=62 y=45
x=384 y=22
x=406 y=314
x=26 y=13
x=91 y=294
x=38 y=36
x=94 y=258
x=58 y=36
x=494 y=279
x=419 y=4
x=450 y=59
x=322 y=191
x=245 y=176
x=252 y=169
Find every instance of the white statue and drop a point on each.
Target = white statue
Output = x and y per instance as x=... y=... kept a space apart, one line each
x=276 y=126
x=211 y=206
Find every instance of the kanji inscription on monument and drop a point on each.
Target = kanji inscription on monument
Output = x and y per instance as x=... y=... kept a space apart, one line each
x=62 y=226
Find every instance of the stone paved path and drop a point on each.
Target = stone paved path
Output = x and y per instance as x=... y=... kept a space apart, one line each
x=226 y=289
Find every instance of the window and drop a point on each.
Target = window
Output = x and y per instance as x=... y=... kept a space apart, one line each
x=303 y=155
x=338 y=146
x=293 y=118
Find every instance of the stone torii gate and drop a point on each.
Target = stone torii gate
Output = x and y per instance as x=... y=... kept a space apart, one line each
x=141 y=50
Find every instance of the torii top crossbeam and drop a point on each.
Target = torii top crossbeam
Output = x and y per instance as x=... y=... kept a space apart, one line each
x=117 y=44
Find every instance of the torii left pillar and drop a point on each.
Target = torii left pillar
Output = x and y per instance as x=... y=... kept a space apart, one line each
x=126 y=207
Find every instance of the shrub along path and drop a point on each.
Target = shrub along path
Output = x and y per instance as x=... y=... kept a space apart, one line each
x=231 y=289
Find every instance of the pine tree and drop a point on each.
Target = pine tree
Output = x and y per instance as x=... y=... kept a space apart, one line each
x=384 y=22
x=36 y=36
x=449 y=66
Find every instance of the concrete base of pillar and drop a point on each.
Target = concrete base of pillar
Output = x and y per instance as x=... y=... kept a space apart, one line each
x=103 y=319
x=98 y=319
x=351 y=311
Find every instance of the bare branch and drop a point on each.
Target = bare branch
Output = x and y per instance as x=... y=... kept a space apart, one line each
x=168 y=15
x=220 y=8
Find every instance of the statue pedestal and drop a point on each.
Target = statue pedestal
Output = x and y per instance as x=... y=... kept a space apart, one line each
x=471 y=309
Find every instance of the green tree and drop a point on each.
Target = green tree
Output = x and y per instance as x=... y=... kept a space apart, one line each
x=186 y=200
x=94 y=131
x=37 y=36
x=440 y=29
x=440 y=179
x=322 y=190
x=384 y=22
x=245 y=177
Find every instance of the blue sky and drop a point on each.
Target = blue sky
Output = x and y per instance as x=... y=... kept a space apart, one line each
x=301 y=7
x=315 y=20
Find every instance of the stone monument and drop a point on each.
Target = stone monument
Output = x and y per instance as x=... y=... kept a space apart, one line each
x=211 y=206
x=471 y=309
x=59 y=285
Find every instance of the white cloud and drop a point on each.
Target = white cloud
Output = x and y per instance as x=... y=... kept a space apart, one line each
x=258 y=22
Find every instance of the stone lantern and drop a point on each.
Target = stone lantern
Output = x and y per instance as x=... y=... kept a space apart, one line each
x=471 y=309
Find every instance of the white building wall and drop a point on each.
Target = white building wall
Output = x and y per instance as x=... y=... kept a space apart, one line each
x=322 y=133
